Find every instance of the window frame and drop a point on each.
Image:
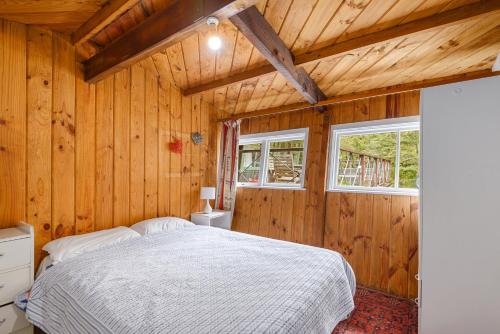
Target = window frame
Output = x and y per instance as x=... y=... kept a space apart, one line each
x=397 y=125
x=264 y=138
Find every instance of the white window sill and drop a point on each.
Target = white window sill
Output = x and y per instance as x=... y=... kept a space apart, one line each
x=378 y=191
x=269 y=187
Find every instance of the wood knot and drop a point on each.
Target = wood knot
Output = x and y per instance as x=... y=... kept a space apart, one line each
x=46 y=227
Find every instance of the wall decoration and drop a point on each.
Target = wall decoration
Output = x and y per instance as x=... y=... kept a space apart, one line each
x=176 y=146
x=197 y=138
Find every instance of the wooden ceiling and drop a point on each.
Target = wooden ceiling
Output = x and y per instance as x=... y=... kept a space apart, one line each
x=57 y=15
x=304 y=26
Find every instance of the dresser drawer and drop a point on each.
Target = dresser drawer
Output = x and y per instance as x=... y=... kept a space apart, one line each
x=13 y=282
x=12 y=319
x=15 y=253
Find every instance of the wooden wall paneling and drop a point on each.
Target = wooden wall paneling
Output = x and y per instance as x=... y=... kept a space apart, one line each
x=163 y=149
x=104 y=153
x=186 y=158
x=275 y=217
x=63 y=134
x=413 y=237
x=204 y=146
x=379 y=275
x=175 y=158
x=332 y=218
x=253 y=213
x=151 y=147
x=362 y=236
x=213 y=147
x=137 y=142
x=39 y=136
x=121 y=197
x=85 y=144
x=263 y=203
x=377 y=107
x=238 y=209
x=286 y=219
x=398 y=255
x=347 y=221
x=195 y=153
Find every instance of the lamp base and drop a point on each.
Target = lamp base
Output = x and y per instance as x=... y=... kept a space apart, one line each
x=207 y=208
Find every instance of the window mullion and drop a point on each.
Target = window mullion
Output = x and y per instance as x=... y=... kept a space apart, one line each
x=263 y=162
x=398 y=148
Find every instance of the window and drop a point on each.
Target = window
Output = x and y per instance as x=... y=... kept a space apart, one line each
x=273 y=159
x=378 y=156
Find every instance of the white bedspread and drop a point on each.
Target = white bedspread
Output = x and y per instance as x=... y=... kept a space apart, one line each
x=196 y=280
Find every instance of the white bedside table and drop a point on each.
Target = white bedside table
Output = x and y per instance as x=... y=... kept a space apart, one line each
x=16 y=275
x=217 y=218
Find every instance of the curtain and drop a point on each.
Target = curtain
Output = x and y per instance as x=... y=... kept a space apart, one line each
x=228 y=166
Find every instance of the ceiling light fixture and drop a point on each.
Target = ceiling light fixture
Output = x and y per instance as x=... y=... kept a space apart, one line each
x=214 y=41
x=496 y=65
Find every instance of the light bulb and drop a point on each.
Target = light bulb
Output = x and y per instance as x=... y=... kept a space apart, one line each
x=214 y=42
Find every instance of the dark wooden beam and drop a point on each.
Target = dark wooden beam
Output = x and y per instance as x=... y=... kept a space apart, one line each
x=442 y=20
x=260 y=33
x=157 y=32
x=366 y=94
x=107 y=14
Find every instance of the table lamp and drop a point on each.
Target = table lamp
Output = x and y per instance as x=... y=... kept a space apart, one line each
x=207 y=193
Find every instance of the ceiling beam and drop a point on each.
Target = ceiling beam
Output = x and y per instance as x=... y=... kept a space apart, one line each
x=259 y=32
x=107 y=14
x=440 y=20
x=158 y=32
x=366 y=94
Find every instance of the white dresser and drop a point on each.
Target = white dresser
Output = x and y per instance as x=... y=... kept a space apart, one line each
x=16 y=275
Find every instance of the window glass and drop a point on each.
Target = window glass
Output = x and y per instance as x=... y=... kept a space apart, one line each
x=367 y=160
x=249 y=163
x=273 y=159
x=377 y=156
x=409 y=159
x=285 y=160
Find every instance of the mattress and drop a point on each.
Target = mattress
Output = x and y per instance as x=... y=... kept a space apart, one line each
x=195 y=280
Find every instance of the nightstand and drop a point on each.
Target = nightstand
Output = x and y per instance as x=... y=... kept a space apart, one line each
x=16 y=275
x=216 y=218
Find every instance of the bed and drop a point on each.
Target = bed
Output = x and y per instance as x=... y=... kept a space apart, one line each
x=195 y=280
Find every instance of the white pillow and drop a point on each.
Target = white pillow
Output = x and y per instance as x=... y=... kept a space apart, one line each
x=160 y=224
x=68 y=247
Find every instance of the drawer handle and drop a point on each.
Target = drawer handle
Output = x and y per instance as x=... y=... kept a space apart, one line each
x=1 y=254
x=2 y=286
x=2 y=321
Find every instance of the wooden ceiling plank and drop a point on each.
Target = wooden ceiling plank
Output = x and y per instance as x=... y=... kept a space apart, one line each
x=162 y=64
x=260 y=91
x=255 y=27
x=464 y=36
x=107 y=14
x=323 y=13
x=159 y=31
x=406 y=46
x=177 y=65
x=224 y=60
x=453 y=47
x=442 y=20
x=191 y=53
x=368 y=18
x=370 y=93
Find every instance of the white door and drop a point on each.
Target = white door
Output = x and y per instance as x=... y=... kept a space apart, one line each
x=460 y=203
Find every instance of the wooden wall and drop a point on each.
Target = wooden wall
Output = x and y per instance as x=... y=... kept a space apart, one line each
x=76 y=157
x=377 y=234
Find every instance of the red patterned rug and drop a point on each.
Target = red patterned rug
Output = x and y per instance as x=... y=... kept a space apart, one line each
x=380 y=313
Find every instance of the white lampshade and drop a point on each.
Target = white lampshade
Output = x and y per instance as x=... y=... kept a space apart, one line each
x=207 y=193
